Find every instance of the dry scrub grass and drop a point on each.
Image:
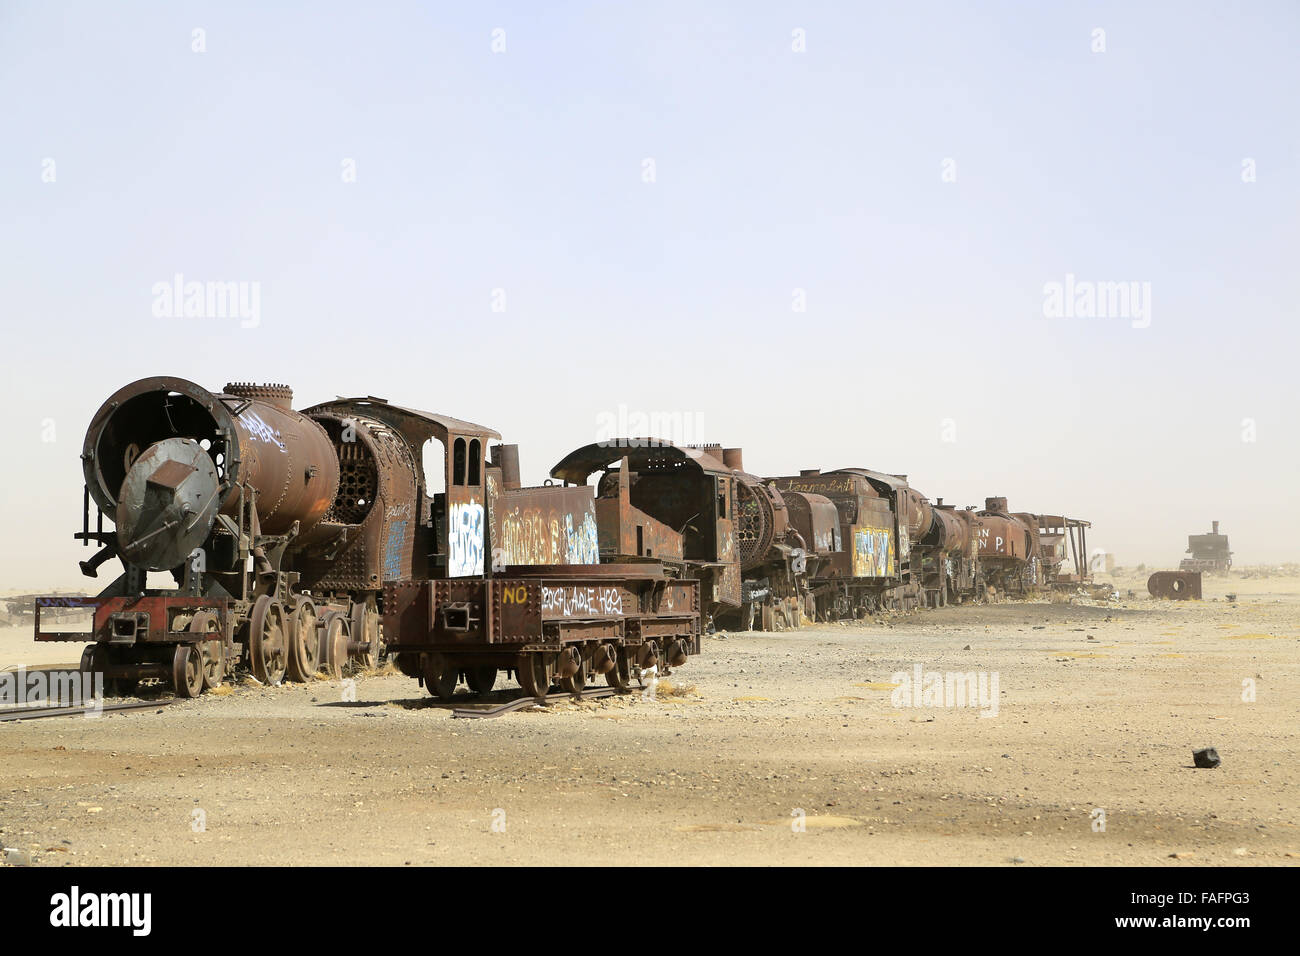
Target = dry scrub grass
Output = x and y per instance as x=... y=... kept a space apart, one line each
x=667 y=688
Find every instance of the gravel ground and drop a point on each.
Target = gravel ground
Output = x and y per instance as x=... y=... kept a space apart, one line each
x=767 y=749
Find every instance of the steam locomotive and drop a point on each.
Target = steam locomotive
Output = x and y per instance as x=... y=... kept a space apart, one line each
x=298 y=541
x=820 y=546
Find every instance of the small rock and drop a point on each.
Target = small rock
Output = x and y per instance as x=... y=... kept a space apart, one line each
x=966 y=648
x=1017 y=859
x=1206 y=758
x=16 y=857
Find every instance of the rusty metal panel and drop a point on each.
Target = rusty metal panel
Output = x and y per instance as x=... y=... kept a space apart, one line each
x=874 y=555
x=155 y=615
x=1175 y=585
x=407 y=612
x=624 y=530
x=546 y=526
x=1001 y=536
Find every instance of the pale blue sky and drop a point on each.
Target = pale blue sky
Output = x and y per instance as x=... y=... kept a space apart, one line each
x=775 y=170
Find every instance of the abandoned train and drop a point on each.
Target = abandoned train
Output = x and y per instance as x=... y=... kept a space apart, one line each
x=293 y=542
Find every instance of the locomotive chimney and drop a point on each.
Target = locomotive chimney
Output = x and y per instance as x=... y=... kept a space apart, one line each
x=733 y=458
x=809 y=472
x=506 y=457
x=1216 y=527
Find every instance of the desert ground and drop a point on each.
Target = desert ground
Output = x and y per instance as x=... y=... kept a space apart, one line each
x=767 y=749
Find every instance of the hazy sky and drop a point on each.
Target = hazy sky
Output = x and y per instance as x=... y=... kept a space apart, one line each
x=911 y=175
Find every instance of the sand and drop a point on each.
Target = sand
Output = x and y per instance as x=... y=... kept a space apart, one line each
x=774 y=749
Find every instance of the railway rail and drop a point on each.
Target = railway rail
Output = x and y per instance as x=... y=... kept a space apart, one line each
x=526 y=700
x=38 y=712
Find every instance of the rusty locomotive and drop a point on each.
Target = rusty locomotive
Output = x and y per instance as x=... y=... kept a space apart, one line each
x=297 y=541
x=774 y=552
x=292 y=542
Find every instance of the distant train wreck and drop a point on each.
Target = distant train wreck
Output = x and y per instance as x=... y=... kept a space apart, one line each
x=1209 y=552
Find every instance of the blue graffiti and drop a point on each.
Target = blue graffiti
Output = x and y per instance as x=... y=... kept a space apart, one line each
x=393 y=551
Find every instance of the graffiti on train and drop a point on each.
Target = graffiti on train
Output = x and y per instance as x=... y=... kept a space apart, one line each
x=532 y=536
x=873 y=553
x=582 y=601
x=465 y=540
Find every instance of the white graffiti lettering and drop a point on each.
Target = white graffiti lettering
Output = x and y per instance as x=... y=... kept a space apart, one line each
x=583 y=602
x=465 y=540
x=261 y=430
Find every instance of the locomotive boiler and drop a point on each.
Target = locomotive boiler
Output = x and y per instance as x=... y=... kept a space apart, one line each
x=219 y=491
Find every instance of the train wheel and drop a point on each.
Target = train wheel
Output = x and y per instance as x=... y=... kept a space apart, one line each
x=267 y=642
x=647 y=657
x=187 y=671
x=619 y=676
x=303 y=657
x=212 y=654
x=676 y=653
x=440 y=677
x=212 y=659
x=93 y=660
x=332 y=643
x=365 y=627
x=576 y=682
x=481 y=679
x=534 y=674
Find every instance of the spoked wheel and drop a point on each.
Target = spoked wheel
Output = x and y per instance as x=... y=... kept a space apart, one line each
x=212 y=654
x=267 y=640
x=303 y=657
x=619 y=676
x=212 y=659
x=534 y=674
x=332 y=643
x=364 y=626
x=481 y=679
x=576 y=682
x=440 y=677
x=187 y=671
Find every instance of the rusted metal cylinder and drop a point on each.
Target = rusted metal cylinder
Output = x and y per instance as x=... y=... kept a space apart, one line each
x=734 y=458
x=258 y=445
x=1175 y=585
x=948 y=532
x=506 y=457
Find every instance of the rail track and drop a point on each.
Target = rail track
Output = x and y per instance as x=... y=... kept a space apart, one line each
x=526 y=700
x=37 y=712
